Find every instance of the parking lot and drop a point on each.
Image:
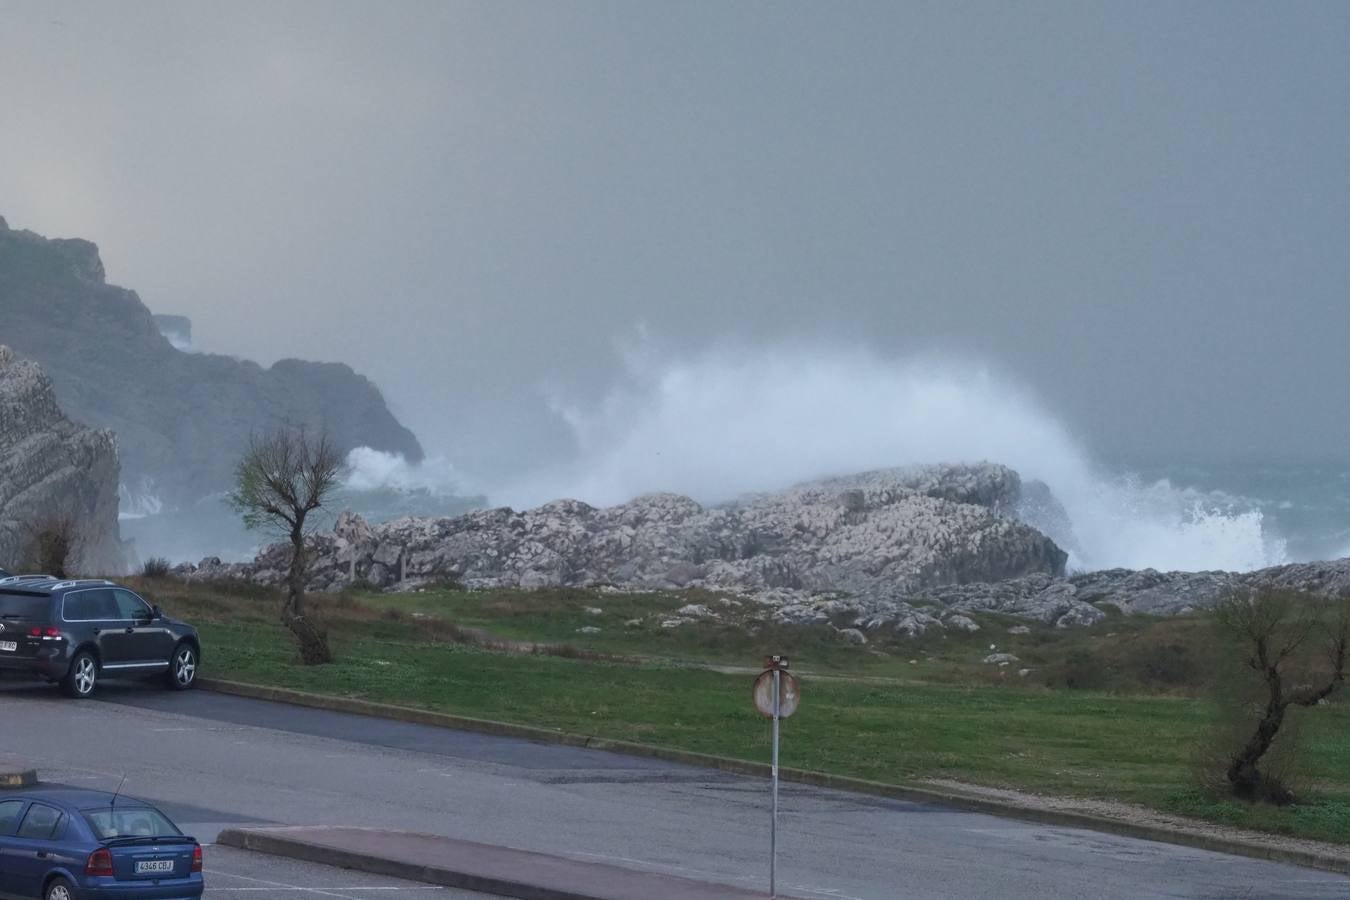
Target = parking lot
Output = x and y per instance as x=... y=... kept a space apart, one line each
x=213 y=762
x=234 y=874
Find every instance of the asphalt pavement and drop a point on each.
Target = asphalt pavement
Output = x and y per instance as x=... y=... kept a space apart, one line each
x=216 y=761
x=239 y=875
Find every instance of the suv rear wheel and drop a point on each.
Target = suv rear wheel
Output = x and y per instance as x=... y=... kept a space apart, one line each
x=82 y=677
x=183 y=667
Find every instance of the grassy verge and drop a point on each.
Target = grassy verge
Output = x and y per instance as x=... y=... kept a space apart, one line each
x=1114 y=712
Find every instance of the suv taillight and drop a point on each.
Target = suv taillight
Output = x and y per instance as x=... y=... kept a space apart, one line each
x=197 y=858
x=100 y=862
x=44 y=632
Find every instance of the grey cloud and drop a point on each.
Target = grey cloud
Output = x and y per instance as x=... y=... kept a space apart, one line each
x=1138 y=210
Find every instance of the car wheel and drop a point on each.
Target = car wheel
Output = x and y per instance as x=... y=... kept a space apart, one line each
x=59 y=889
x=82 y=677
x=183 y=667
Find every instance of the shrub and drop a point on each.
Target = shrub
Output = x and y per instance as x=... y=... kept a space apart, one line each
x=155 y=567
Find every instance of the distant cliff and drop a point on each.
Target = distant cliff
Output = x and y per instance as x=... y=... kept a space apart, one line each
x=54 y=474
x=181 y=419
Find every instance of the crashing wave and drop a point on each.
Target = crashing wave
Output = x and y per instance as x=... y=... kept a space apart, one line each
x=728 y=422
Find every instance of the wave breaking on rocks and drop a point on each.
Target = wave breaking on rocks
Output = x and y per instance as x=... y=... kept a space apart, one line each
x=902 y=529
x=908 y=550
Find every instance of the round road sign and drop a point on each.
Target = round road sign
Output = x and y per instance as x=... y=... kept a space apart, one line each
x=787 y=701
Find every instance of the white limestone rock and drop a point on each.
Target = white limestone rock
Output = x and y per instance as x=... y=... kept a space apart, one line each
x=54 y=471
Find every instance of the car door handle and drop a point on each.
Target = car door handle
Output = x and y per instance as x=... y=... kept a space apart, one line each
x=42 y=854
x=131 y=630
x=97 y=632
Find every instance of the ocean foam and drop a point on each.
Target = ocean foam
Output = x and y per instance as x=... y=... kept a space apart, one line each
x=373 y=470
x=732 y=422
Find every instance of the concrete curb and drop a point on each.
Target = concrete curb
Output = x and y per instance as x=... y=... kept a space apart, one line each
x=1196 y=838
x=448 y=862
x=279 y=845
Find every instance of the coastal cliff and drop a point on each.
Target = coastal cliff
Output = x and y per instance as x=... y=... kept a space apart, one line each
x=181 y=418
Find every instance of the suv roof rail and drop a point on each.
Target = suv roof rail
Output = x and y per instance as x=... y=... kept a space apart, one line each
x=75 y=582
x=15 y=579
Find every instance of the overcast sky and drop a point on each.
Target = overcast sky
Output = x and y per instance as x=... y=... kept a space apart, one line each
x=1138 y=211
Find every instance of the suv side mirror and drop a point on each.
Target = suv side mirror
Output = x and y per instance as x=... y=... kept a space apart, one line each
x=157 y=612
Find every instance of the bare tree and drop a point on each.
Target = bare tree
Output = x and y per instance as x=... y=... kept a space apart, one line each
x=283 y=477
x=1283 y=631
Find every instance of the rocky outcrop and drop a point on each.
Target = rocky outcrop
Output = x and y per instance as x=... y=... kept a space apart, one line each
x=53 y=474
x=182 y=419
x=905 y=551
x=891 y=532
x=1081 y=599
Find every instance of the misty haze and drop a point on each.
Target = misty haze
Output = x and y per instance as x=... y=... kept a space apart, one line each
x=908 y=334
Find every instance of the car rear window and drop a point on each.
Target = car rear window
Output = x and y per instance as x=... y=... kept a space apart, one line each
x=130 y=821
x=41 y=823
x=23 y=606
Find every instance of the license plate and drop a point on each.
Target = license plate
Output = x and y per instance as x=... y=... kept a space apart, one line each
x=10 y=646
x=154 y=865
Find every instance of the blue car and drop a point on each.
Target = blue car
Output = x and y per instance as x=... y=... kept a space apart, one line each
x=66 y=844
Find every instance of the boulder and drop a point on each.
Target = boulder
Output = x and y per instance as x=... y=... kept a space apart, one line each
x=353 y=529
x=961 y=623
x=694 y=611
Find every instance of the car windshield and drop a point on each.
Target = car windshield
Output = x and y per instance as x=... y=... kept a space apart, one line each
x=22 y=606
x=131 y=821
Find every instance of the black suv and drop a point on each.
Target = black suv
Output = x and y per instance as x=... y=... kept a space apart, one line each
x=75 y=632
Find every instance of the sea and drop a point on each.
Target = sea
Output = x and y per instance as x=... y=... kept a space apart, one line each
x=1296 y=511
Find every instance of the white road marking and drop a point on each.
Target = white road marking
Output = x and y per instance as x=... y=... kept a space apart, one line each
x=262 y=890
x=278 y=885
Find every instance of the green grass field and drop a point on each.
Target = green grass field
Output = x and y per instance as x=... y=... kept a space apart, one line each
x=1118 y=711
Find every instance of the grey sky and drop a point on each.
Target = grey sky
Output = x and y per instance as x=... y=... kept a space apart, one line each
x=1140 y=211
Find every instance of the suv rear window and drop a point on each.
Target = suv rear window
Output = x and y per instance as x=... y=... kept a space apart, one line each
x=90 y=606
x=23 y=606
x=129 y=821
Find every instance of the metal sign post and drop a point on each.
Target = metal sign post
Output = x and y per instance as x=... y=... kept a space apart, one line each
x=776 y=695
x=773 y=831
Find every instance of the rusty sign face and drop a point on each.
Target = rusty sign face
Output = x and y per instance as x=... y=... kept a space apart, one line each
x=787 y=702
